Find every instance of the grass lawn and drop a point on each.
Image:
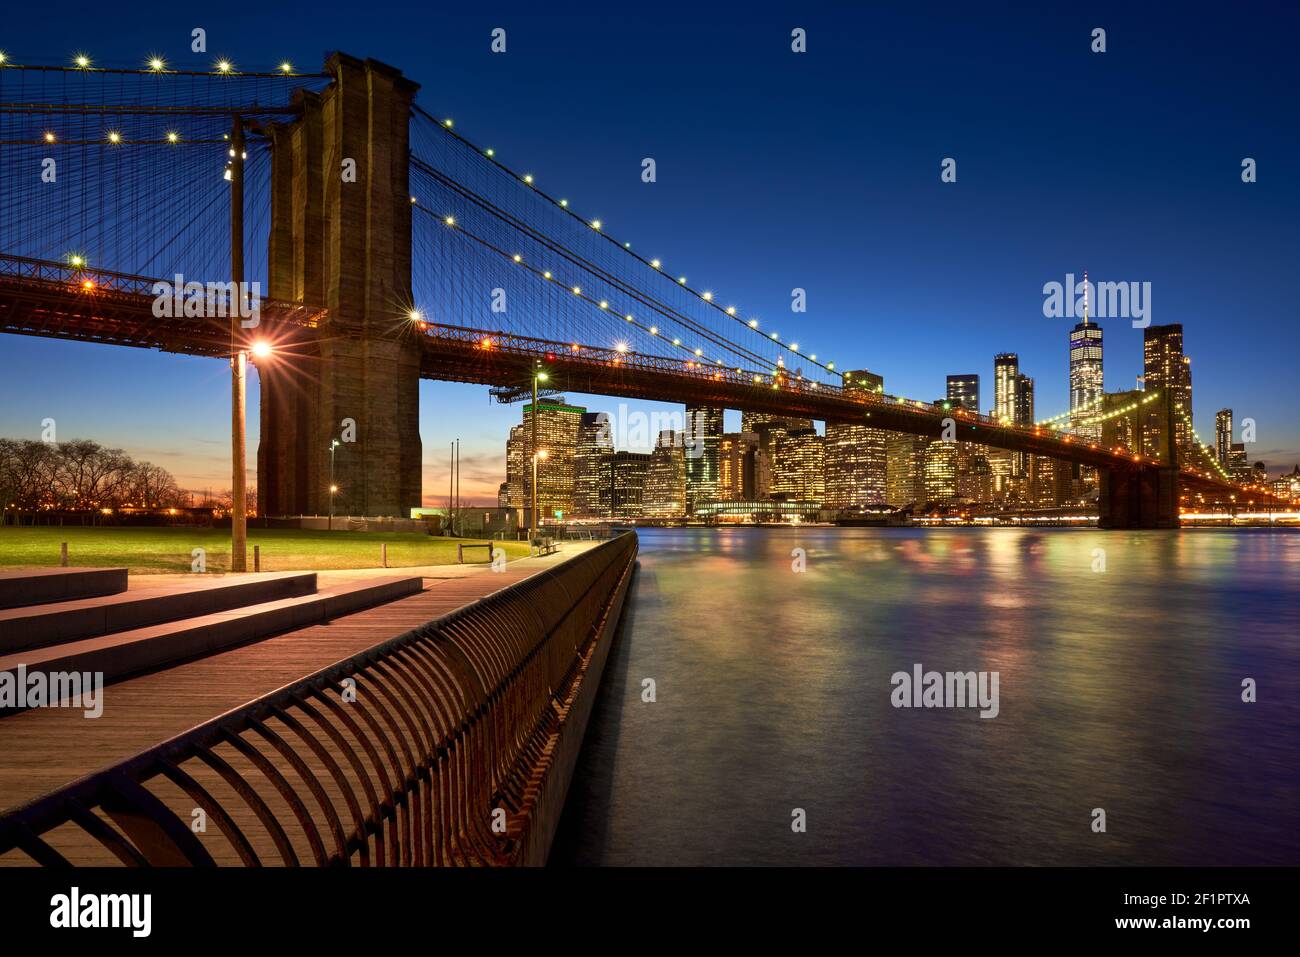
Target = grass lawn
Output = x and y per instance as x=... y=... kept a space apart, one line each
x=156 y=550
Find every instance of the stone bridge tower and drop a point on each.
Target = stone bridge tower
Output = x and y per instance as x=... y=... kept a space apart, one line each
x=345 y=246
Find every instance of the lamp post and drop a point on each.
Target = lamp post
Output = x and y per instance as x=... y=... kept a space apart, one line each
x=538 y=376
x=539 y=454
x=334 y=444
x=239 y=359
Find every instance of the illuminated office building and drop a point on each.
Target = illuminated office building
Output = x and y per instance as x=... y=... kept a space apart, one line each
x=595 y=447
x=703 y=441
x=798 y=466
x=905 y=469
x=1222 y=435
x=557 y=435
x=665 y=483
x=1166 y=368
x=855 y=454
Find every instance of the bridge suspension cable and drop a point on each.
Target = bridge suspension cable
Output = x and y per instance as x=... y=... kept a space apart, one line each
x=704 y=299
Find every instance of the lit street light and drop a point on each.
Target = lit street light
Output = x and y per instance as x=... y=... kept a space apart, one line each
x=537 y=456
x=539 y=375
x=334 y=444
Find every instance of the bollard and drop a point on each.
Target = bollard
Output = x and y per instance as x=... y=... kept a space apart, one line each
x=257 y=558
x=63 y=554
x=383 y=554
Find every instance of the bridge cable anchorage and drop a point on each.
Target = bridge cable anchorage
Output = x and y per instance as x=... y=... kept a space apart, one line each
x=596 y=226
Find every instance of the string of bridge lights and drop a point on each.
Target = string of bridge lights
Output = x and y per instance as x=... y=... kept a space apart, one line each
x=154 y=64
x=698 y=358
x=1206 y=449
x=705 y=296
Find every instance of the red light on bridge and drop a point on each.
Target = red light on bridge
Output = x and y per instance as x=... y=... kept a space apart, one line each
x=88 y=284
x=574 y=347
x=486 y=343
x=550 y=357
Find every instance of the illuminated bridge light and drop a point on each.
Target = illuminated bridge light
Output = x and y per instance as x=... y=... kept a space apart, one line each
x=753 y=323
x=224 y=66
x=731 y=310
x=595 y=224
x=699 y=352
x=628 y=317
x=774 y=335
x=654 y=264
x=577 y=290
x=677 y=342
x=681 y=280
x=707 y=296
x=450 y=220
x=654 y=330
x=447 y=122
x=173 y=136
x=621 y=347
x=518 y=258
x=82 y=61
x=286 y=67
x=564 y=202
x=547 y=274
x=528 y=178
x=604 y=304
x=49 y=137
x=489 y=152
x=156 y=64
x=114 y=137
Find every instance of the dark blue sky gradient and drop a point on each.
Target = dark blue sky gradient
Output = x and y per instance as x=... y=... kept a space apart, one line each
x=820 y=171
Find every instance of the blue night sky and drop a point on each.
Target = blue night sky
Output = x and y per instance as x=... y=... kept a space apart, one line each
x=818 y=171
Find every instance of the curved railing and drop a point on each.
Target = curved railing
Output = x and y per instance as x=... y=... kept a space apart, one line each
x=431 y=748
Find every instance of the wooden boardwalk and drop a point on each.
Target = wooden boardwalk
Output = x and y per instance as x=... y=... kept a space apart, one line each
x=43 y=749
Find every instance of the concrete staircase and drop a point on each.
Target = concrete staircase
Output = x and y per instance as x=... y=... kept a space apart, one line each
x=129 y=632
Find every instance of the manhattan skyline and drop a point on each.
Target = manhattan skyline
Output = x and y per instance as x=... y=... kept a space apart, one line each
x=773 y=175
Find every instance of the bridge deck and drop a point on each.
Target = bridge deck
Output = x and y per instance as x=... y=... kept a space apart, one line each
x=50 y=747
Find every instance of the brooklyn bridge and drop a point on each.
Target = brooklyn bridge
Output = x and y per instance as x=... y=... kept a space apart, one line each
x=391 y=248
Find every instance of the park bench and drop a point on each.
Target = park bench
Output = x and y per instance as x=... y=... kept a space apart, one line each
x=460 y=550
x=547 y=546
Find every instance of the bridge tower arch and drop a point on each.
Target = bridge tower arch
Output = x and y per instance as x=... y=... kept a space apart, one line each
x=344 y=244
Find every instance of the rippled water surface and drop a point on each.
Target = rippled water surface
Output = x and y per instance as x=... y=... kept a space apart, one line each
x=1119 y=689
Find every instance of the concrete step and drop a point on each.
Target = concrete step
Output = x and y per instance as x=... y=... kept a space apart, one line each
x=50 y=624
x=34 y=586
x=144 y=649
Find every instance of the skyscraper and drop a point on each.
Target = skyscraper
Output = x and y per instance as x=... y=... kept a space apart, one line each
x=855 y=454
x=1222 y=435
x=1166 y=368
x=516 y=455
x=665 y=484
x=1006 y=371
x=1085 y=372
x=799 y=466
x=1013 y=402
x=703 y=439
x=595 y=446
x=964 y=390
x=627 y=478
x=557 y=435
x=905 y=471
x=736 y=466
x=939 y=464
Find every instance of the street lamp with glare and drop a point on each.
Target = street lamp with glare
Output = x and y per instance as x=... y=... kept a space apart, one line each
x=334 y=444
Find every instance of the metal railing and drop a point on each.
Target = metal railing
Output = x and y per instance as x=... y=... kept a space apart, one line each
x=428 y=749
